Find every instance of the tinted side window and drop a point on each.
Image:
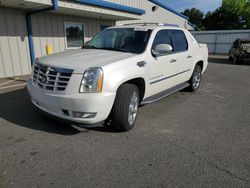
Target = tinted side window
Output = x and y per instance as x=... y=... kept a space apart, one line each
x=235 y=44
x=239 y=43
x=179 y=40
x=162 y=37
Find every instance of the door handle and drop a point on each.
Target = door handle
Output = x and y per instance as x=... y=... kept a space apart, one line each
x=173 y=60
x=189 y=56
x=141 y=63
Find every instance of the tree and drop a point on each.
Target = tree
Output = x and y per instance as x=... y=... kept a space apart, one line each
x=233 y=14
x=195 y=16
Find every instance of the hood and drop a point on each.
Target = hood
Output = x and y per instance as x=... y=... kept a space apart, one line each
x=81 y=59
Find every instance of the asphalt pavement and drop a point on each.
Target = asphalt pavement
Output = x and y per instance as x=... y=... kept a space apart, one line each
x=197 y=139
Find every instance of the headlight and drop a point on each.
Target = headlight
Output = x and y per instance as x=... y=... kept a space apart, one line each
x=92 y=81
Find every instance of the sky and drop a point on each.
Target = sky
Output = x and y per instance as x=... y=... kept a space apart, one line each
x=204 y=5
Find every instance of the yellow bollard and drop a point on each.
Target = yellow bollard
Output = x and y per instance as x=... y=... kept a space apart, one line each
x=49 y=49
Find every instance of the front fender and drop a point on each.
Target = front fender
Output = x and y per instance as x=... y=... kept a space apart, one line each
x=121 y=72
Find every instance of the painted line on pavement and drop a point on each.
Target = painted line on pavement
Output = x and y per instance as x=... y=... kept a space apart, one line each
x=2 y=84
x=7 y=87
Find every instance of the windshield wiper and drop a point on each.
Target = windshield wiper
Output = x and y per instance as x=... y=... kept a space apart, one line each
x=107 y=48
x=90 y=47
x=115 y=49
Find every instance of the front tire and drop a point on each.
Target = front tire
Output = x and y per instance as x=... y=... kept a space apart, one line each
x=236 y=60
x=195 y=79
x=125 y=107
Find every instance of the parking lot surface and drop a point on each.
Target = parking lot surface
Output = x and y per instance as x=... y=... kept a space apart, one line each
x=197 y=139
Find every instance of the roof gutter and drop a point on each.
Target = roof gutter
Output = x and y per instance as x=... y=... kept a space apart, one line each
x=28 y=15
x=112 y=6
x=194 y=26
x=163 y=5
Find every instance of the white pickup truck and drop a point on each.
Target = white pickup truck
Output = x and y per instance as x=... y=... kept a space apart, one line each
x=119 y=69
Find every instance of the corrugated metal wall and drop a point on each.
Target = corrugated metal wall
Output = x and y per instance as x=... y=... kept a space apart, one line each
x=220 y=42
x=14 y=50
x=48 y=29
x=161 y=15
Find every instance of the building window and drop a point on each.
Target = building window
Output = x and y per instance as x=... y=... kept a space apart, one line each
x=74 y=35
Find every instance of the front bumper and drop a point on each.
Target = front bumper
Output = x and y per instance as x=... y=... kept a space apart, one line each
x=55 y=104
x=245 y=57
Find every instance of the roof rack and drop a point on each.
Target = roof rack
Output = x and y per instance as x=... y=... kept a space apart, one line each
x=152 y=23
x=169 y=25
x=142 y=24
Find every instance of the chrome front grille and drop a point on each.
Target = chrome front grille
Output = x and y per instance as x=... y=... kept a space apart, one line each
x=51 y=78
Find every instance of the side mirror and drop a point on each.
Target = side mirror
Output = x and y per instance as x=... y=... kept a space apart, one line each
x=162 y=49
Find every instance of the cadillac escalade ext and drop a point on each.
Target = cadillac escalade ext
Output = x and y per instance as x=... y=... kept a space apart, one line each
x=116 y=71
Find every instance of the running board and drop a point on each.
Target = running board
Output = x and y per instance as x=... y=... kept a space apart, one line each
x=165 y=93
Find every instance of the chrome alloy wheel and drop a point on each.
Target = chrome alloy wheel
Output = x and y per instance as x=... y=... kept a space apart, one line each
x=133 y=108
x=197 y=78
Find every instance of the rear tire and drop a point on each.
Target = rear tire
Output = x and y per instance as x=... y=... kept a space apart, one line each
x=195 y=79
x=125 y=107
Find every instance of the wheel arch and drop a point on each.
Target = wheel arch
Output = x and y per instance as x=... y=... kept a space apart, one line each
x=139 y=82
x=201 y=64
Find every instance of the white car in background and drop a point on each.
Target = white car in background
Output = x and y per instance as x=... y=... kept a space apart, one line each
x=119 y=69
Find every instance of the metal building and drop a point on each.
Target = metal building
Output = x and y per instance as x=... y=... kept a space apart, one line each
x=28 y=26
x=220 y=42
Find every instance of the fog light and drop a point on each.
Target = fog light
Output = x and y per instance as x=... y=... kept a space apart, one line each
x=86 y=115
x=65 y=112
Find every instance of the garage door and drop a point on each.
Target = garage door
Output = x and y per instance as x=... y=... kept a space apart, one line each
x=14 y=51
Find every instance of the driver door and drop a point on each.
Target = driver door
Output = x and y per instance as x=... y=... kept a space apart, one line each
x=162 y=67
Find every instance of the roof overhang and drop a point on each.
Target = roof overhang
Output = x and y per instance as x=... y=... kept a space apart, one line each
x=98 y=9
x=28 y=5
x=113 y=6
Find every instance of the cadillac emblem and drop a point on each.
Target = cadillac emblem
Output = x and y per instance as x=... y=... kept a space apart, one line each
x=43 y=79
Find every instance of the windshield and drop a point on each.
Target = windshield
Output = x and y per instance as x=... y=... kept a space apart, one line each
x=129 y=40
x=245 y=43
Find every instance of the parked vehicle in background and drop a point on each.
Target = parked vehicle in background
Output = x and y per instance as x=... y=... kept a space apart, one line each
x=240 y=51
x=119 y=69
